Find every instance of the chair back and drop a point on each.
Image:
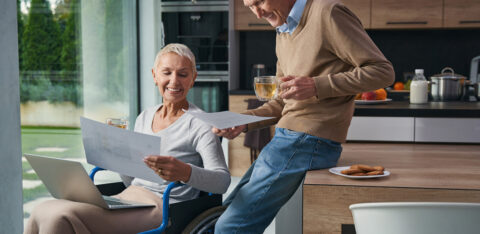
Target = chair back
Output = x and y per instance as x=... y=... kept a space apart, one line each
x=416 y=217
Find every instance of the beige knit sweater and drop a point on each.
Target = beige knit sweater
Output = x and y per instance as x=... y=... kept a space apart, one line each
x=331 y=46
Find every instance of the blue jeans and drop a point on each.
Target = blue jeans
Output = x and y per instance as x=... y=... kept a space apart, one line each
x=273 y=179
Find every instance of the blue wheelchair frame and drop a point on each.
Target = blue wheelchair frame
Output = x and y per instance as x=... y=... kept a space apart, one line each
x=166 y=198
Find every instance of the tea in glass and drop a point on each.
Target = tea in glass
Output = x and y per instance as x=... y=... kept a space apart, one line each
x=119 y=123
x=265 y=87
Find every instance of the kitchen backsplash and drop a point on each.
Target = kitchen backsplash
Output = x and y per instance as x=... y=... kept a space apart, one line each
x=430 y=49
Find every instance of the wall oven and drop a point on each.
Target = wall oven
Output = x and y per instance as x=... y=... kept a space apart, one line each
x=203 y=27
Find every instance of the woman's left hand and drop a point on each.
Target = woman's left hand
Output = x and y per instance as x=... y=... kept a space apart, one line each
x=169 y=168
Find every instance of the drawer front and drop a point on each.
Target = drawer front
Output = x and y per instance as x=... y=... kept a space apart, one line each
x=381 y=129
x=455 y=130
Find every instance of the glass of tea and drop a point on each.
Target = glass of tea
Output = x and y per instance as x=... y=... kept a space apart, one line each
x=265 y=87
x=119 y=123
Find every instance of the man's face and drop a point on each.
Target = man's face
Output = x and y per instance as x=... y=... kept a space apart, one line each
x=274 y=11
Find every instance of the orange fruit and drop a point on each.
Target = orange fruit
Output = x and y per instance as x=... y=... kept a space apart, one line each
x=381 y=94
x=398 y=86
x=358 y=96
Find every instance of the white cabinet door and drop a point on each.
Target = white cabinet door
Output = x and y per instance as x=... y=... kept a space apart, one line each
x=464 y=130
x=381 y=129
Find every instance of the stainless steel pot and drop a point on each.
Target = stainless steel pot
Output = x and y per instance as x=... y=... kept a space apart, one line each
x=447 y=86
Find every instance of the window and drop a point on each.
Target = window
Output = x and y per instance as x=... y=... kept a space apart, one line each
x=77 y=58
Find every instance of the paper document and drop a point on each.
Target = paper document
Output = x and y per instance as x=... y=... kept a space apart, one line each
x=226 y=119
x=119 y=150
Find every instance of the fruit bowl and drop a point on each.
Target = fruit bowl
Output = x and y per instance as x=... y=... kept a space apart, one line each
x=370 y=102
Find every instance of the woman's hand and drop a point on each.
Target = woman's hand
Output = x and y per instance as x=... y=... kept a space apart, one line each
x=169 y=168
x=229 y=133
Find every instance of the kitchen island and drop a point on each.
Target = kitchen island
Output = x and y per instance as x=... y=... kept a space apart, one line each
x=395 y=121
x=419 y=172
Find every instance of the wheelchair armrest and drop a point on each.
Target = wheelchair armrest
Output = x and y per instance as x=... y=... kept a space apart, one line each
x=94 y=171
x=107 y=189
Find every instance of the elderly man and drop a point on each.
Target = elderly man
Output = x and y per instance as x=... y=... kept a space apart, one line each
x=325 y=57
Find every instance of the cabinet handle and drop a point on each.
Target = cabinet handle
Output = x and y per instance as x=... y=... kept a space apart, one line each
x=257 y=25
x=469 y=21
x=406 y=22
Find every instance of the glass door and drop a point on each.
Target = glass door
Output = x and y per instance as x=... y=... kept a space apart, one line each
x=84 y=66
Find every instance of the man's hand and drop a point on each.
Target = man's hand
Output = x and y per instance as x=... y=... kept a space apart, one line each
x=229 y=133
x=298 y=88
x=169 y=168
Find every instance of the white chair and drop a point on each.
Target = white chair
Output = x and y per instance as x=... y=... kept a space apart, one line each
x=416 y=218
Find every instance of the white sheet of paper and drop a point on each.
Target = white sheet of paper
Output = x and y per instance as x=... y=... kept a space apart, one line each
x=226 y=119
x=119 y=150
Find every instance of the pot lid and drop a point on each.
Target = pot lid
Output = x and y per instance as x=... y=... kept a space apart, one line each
x=448 y=73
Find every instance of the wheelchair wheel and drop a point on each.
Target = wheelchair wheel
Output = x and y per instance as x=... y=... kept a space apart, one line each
x=205 y=222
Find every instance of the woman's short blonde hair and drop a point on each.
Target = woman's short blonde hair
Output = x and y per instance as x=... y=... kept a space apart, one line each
x=179 y=49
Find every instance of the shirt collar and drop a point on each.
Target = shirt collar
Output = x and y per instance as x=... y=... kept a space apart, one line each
x=293 y=17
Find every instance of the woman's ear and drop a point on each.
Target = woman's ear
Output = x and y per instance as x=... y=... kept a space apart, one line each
x=194 y=78
x=153 y=75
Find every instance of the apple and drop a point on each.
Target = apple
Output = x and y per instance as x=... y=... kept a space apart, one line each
x=369 y=95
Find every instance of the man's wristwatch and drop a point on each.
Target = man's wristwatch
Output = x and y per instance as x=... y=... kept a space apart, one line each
x=246 y=128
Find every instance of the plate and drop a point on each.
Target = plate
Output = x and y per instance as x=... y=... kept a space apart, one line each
x=369 y=102
x=337 y=171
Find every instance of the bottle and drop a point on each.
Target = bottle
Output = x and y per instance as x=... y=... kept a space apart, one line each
x=419 y=88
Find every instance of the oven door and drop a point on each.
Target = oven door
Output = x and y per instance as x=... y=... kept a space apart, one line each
x=209 y=96
x=204 y=29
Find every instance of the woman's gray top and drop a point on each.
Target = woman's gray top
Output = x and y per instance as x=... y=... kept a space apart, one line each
x=191 y=141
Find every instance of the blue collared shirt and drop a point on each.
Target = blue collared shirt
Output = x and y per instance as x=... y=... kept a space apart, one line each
x=293 y=17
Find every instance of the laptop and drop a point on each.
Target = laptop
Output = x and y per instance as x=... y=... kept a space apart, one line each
x=66 y=179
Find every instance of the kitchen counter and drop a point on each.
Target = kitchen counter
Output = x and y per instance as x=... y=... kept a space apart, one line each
x=405 y=109
x=419 y=172
x=431 y=109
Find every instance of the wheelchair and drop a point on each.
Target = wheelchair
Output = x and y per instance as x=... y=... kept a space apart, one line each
x=198 y=215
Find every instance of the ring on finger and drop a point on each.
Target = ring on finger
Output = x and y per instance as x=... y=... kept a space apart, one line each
x=159 y=171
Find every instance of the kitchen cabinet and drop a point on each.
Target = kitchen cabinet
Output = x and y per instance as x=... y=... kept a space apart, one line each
x=381 y=129
x=362 y=9
x=465 y=130
x=414 y=129
x=388 y=14
x=461 y=13
x=244 y=19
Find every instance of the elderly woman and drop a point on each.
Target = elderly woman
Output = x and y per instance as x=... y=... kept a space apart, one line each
x=190 y=153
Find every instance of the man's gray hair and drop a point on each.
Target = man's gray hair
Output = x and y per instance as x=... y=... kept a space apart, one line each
x=176 y=48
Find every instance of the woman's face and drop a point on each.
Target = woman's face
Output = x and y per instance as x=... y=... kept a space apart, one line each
x=174 y=76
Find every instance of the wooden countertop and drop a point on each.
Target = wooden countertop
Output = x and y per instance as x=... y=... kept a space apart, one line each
x=439 y=166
